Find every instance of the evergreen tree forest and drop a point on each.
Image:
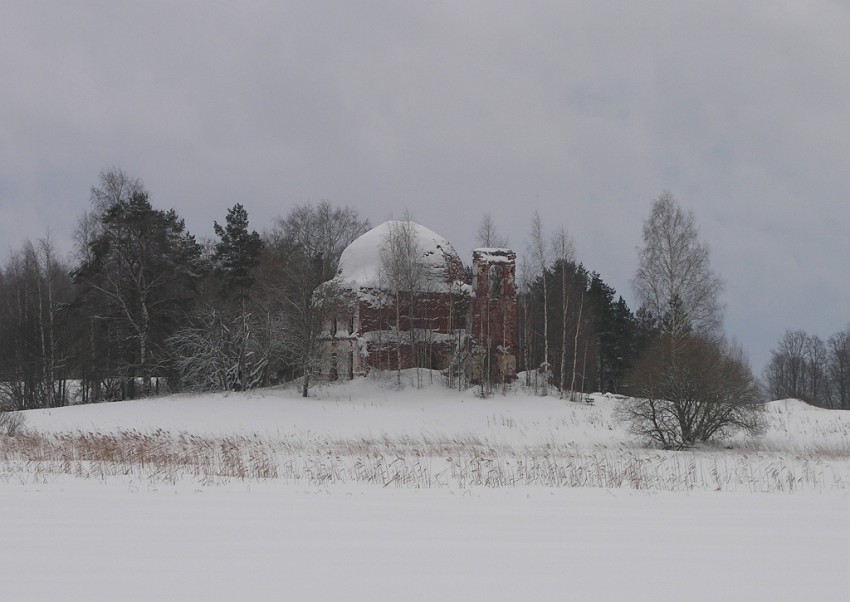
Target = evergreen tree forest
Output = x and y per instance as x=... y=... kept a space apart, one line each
x=594 y=336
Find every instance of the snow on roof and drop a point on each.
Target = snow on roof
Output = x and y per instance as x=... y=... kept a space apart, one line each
x=493 y=250
x=360 y=263
x=494 y=255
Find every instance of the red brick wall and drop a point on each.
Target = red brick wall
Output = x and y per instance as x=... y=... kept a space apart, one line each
x=431 y=311
x=494 y=308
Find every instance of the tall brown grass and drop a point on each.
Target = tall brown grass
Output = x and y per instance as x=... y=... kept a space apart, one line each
x=461 y=461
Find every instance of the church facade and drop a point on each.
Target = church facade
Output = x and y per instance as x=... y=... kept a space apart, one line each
x=443 y=319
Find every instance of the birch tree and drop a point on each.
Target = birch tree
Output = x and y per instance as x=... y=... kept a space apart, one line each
x=142 y=264
x=839 y=369
x=540 y=259
x=674 y=279
x=690 y=385
x=786 y=374
x=487 y=236
x=524 y=298
x=404 y=273
x=34 y=297
x=303 y=251
x=563 y=253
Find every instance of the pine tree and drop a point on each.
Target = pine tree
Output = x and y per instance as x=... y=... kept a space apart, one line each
x=237 y=253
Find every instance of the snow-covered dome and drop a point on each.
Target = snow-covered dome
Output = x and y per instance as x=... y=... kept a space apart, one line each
x=360 y=265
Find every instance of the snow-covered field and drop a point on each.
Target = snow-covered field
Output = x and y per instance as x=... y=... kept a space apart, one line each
x=366 y=492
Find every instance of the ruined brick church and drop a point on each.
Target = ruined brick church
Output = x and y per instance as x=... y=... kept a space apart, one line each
x=453 y=321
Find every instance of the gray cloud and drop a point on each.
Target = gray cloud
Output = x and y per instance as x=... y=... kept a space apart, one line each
x=585 y=111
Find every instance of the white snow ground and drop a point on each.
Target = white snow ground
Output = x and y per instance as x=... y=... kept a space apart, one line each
x=84 y=540
x=127 y=537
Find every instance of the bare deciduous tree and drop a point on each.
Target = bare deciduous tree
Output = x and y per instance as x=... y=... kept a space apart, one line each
x=540 y=261
x=786 y=375
x=303 y=254
x=839 y=369
x=113 y=186
x=487 y=236
x=34 y=291
x=220 y=351
x=53 y=275
x=674 y=279
x=526 y=331
x=563 y=253
x=320 y=232
x=816 y=360
x=690 y=385
x=801 y=366
x=404 y=273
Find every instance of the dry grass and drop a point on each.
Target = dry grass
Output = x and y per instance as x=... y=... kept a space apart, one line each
x=11 y=423
x=421 y=462
x=804 y=450
x=158 y=456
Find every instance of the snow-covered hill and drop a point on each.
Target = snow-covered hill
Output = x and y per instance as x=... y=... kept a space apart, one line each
x=374 y=408
x=369 y=431
x=364 y=407
x=367 y=492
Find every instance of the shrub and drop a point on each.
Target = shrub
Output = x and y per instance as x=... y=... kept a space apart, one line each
x=11 y=423
x=695 y=390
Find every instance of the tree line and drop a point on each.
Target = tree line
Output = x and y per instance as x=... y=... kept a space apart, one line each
x=142 y=303
x=574 y=329
x=803 y=366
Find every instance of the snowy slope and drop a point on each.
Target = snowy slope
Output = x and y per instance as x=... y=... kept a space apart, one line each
x=373 y=407
x=634 y=524
x=366 y=431
x=361 y=408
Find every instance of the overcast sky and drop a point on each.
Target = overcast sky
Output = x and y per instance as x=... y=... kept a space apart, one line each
x=584 y=111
